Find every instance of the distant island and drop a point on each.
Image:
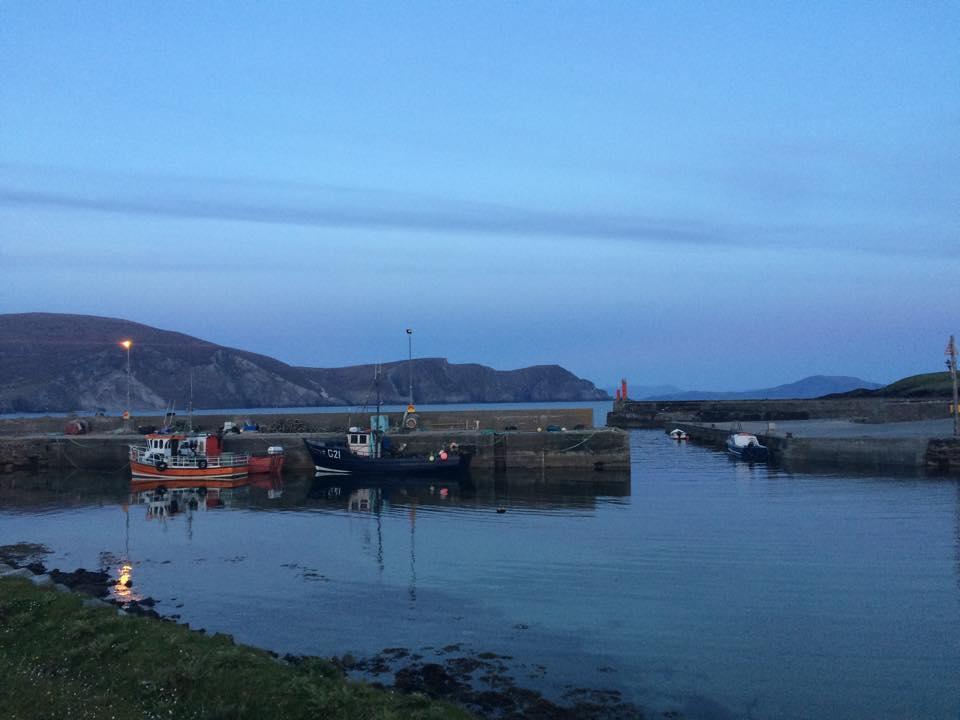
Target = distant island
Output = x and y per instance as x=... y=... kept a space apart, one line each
x=809 y=387
x=920 y=387
x=51 y=362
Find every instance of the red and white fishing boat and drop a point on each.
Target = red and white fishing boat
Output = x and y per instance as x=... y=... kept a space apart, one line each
x=186 y=456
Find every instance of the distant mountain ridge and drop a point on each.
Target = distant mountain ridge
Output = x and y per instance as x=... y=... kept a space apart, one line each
x=51 y=362
x=809 y=387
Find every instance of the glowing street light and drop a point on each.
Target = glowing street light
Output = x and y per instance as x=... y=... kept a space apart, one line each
x=126 y=345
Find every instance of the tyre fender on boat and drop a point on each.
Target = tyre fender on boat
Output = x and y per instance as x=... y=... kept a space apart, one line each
x=453 y=447
x=160 y=465
x=202 y=463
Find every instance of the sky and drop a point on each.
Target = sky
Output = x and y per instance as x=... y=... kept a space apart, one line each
x=711 y=195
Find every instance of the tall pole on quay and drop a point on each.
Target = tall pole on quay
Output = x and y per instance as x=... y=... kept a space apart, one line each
x=410 y=366
x=952 y=366
x=127 y=344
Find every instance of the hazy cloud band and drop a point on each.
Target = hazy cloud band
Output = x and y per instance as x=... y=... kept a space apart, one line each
x=321 y=206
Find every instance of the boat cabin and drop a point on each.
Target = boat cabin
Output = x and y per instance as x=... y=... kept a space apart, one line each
x=362 y=443
x=742 y=440
x=179 y=445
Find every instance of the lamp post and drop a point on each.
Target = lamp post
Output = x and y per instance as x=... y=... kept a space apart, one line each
x=410 y=366
x=127 y=344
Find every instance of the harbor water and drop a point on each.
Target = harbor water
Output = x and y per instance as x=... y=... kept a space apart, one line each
x=705 y=586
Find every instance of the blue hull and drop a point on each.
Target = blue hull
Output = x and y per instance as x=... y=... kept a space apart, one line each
x=336 y=459
x=750 y=453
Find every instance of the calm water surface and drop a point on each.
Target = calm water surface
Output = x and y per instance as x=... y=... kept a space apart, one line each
x=711 y=587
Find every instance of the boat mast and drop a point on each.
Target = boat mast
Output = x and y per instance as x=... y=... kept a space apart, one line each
x=376 y=428
x=190 y=406
x=952 y=367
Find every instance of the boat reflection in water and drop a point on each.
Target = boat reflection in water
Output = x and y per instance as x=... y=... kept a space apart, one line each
x=528 y=491
x=374 y=495
x=359 y=493
x=167 y=498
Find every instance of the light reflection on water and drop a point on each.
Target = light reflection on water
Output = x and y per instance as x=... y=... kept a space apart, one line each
x=705 y=585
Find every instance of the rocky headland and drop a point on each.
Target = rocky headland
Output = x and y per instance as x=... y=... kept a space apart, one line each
x=62 y=363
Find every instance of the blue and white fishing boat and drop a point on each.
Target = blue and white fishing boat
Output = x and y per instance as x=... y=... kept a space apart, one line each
x=363 y=454
x=746 y=447
x=370 y=451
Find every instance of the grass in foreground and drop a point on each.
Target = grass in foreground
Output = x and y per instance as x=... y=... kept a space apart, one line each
x=59 y=659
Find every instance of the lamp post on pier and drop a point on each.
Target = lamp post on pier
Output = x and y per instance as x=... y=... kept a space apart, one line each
x=410 y=366
x=126 y=345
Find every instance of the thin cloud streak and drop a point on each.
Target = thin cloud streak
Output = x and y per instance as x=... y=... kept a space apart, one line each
x=284 y=204
x=480 y=220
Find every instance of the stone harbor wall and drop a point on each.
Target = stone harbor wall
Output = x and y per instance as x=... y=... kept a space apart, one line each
x=658 y=413
x=588 y=449
x=520 y=419
x=863 y=453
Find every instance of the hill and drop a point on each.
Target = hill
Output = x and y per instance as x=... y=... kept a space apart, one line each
x=928 y=385
x=57 y=362
x=809 y=387
x=437 y=381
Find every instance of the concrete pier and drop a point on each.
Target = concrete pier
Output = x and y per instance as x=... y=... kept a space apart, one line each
x=493 y=448
x=837 y=444
x=658 y=413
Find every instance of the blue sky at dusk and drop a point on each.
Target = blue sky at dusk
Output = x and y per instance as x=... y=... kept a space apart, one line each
x=717 y=196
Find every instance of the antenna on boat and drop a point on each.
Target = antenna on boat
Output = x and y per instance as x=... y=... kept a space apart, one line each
x=952 y=367
x=376 y=379
x=190 y=404
x=376 y=421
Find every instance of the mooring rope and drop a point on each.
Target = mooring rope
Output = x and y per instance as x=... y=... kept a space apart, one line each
x=80 y=445
x=63 y=455
x=586 y=439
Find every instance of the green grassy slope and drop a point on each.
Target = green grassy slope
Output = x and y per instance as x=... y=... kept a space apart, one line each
x=59 y=659
x=927 y=385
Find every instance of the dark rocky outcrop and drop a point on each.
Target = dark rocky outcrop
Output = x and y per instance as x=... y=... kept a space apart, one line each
x=60 y=363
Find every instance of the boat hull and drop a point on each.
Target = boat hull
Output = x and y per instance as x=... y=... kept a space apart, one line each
x=272 y=464
x=750 y=453
x=151 y=472
x=337 y=460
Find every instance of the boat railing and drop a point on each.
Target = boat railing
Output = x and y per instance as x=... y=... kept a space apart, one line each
x=140 y=455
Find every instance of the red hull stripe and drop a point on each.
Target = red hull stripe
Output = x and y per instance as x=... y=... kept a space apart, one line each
x=150 y=471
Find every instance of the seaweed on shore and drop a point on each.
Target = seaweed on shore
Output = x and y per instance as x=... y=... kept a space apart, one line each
x=482 y=683
x=23 y=553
